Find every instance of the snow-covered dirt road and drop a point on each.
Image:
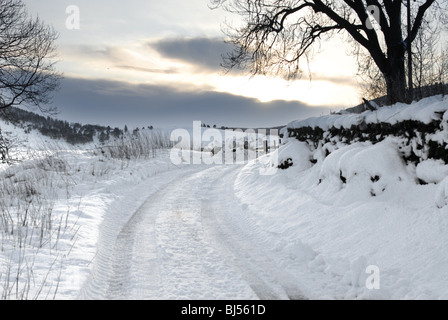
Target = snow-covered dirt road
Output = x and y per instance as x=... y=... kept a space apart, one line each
x=190 y=239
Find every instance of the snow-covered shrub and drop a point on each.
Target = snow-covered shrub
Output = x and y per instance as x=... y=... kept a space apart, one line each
x=285 y=164
x=364 y=170
x=295 y=153
x=431 y=171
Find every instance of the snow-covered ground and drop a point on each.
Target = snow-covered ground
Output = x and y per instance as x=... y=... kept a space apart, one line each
x=355 y=224
x=52 y=205
x=424 y=110
x=327 y=233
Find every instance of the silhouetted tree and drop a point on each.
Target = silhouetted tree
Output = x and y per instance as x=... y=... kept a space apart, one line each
x=277 y=34
x=27 y=52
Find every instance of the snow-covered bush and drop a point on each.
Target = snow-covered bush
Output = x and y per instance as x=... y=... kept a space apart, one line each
x=431 y=171
x=296 y=154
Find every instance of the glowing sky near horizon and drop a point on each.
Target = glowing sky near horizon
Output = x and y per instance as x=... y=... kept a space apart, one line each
x=176 y=44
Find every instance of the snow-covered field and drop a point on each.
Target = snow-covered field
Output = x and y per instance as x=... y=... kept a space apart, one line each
x=88 y=226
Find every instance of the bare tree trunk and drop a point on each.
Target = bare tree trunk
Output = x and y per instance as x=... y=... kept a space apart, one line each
x=395 y=76
x=396 y=90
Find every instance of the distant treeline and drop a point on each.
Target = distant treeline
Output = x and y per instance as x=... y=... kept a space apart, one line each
x=74 y=133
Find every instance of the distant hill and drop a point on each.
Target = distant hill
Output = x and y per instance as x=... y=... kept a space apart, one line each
x=74 y=133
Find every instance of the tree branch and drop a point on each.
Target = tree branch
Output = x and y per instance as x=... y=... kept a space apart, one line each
x=418 y=20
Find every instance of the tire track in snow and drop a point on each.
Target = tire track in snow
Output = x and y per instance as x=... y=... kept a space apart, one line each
x=100 y=282
x=135 y=267
x=184 y=243
x=240 y=241
x=190 y=267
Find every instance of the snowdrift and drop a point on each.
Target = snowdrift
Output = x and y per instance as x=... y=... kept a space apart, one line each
x=343 y=207
x=425 y=110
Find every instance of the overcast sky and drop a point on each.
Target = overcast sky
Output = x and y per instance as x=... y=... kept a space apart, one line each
x=152 y=62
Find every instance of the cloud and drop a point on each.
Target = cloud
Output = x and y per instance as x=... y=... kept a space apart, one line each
x=203 y=52
x=149 y=70
x=117 y=103
x=336 y=79
x=114 y=57
x=208 y=53
x=103 y=52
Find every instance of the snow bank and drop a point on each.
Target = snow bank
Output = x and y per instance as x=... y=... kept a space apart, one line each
x=358 y=212
x=424 y=110
x=441 y=198
x=298 y=154
x=432 y=171
x=76 y=187
x=364 y=170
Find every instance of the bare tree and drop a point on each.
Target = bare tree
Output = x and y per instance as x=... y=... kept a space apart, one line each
x=424 y=59
x=27 y=53
x=442 y=68
x=429 y=71
x=371 y=80
x=277 y=34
